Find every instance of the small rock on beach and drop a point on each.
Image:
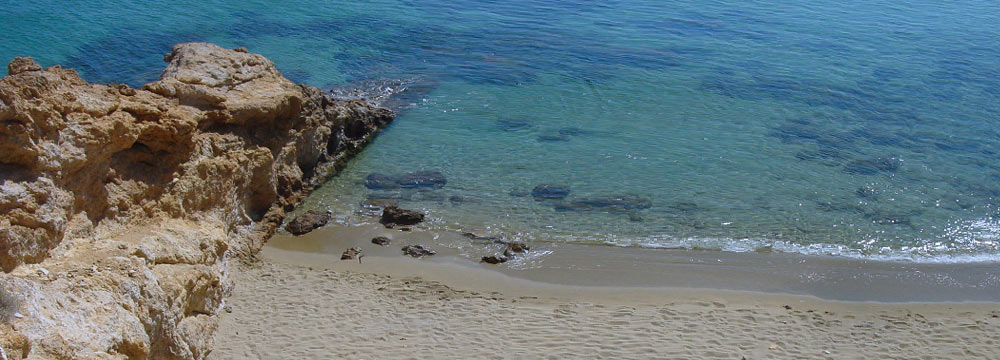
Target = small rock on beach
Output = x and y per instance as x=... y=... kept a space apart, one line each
x=349 y=254
x=393 y=215
x=418 y=251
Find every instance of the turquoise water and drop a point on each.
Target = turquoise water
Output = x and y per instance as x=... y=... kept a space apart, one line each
x=863 y=129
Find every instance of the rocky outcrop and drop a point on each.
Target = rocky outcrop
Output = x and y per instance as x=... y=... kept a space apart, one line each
x=307 y=222
x=121 y=208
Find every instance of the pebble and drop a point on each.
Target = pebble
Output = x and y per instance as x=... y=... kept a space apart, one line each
x=43 y=271
x=18 y=315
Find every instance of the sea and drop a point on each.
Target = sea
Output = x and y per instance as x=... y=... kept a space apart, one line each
x=861 y=129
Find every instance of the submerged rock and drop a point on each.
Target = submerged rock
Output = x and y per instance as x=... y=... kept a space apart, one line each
x=550 y=191
x=615 y=202
x=494 y=259
x=308 y=221
x=389 y=195
x=377 y=181
x=574 y=131
x=873 y=166
x=518 y=193
x=684 y=206
x=418 y=251
x=514 y=125
x=395 y=216
x=553 y=138
x=419 y=179
x=381 y=241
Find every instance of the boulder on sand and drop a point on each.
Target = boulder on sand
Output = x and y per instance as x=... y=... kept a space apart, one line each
x=418 y=251
x=393 y=215
x=309 y=221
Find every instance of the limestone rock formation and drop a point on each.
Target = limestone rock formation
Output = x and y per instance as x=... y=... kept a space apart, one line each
x=134 y=200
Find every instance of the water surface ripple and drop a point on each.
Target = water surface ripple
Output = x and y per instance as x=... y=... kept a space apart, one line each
x=862 y=129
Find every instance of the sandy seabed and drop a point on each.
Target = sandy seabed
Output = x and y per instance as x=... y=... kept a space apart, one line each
x=291 y=305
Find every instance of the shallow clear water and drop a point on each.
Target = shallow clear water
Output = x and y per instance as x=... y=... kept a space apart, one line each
x=863 y=129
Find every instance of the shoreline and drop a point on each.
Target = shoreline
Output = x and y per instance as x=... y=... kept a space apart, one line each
x=826 y=277
x=396 y=307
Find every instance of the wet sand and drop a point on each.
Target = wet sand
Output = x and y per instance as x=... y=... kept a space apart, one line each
x=827 y=277
x=293 y=304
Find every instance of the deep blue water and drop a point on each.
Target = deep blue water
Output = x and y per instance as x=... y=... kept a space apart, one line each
x=864 y=129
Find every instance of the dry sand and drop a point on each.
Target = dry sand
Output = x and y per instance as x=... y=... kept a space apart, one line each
x=292 y=305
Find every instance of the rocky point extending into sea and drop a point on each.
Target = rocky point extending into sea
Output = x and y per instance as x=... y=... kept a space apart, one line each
x=122 y=209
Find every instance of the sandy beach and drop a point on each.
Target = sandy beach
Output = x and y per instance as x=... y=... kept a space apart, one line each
x=298 y=305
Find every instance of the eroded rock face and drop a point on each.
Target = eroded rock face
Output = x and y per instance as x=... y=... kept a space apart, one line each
x=134 y=199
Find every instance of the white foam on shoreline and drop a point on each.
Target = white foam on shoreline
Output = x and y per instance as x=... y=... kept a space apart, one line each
x=983 y=235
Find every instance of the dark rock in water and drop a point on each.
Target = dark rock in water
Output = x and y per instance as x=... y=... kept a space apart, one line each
x=434 y=179
x=616 y=202
x=873 y=166
x=455 y=199
x=514 y=125
x=866 y=192
x=494 y=259
x=350 y=254
x=417 y=251
x=633 y=217
x=477 y=237
x=396 y=216
x=307 y=222
x=381 y=241
x=376 y=181
x=518 y=193
x=553 y=138
x=518 y=247
x=550 y=191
